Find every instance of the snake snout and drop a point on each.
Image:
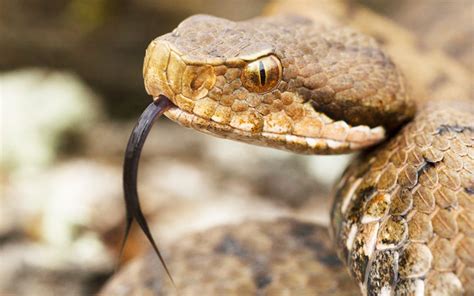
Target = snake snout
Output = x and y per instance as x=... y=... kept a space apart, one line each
x=154 y=69
x=165 y=72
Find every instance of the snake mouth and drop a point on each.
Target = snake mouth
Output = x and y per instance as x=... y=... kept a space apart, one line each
x=355 y=138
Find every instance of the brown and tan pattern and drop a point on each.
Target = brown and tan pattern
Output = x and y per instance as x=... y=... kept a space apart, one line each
x=450 y=31
x=430 y=73
x=403 y=216
x=253 y=258
x=333 y=89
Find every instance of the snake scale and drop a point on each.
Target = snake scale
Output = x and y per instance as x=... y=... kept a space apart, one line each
x=403 y=215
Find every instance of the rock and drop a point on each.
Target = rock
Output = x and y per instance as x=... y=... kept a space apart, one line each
x=39 y=107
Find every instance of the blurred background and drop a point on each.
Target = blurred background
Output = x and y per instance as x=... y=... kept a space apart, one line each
x=71 y=90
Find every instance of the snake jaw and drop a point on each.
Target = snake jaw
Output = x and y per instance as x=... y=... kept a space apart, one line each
x=336 y=137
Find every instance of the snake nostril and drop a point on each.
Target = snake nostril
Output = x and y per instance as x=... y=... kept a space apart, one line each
x=197 y=81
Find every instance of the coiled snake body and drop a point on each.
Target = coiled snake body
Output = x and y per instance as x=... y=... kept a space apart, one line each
x=403 y=216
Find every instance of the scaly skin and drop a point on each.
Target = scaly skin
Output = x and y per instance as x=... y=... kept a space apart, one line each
x=338 y=91
x=283 y=257
x=403 y=215
x=430 y=73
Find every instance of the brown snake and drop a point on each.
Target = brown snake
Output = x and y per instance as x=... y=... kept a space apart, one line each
x=403 y=216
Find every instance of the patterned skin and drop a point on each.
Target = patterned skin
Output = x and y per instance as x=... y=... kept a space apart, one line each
x=403 y=218
x=284 y=82
x=252 y=258
x=403 y=214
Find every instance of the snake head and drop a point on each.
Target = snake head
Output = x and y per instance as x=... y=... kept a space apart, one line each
x=284 y=82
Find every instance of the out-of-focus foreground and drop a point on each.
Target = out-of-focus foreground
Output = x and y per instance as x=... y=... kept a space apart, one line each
x=71 y=90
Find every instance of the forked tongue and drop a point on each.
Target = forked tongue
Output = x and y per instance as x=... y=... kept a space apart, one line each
x=130 y=170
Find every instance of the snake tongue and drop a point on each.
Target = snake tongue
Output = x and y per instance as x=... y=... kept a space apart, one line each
x=130 y=170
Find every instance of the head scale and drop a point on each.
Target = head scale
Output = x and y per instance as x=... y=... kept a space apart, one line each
x=284 y=82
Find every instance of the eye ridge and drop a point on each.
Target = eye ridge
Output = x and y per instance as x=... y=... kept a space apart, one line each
x=263 y=75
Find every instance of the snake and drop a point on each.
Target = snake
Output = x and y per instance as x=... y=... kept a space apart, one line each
x=402 y=220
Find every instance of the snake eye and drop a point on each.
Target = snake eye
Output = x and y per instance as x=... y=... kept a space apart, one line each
x=262 y=75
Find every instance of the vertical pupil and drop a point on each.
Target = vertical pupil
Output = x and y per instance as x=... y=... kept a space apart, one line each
x=263 y=75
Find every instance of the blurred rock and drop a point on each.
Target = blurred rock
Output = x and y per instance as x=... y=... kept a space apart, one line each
x=9 y=228
x=447 y=25
x=107 y=141
x=328 y=169
x=69 y=200
x=285 y=181
x=38 y=108
x=56 y=221
x=279 y=176
x=37 y=269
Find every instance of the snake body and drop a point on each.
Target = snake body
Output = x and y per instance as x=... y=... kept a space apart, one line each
x=403 y=216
